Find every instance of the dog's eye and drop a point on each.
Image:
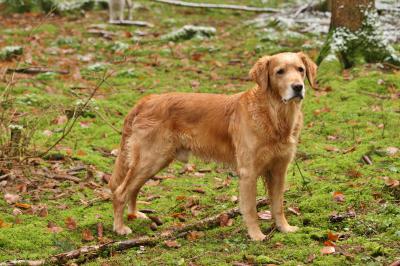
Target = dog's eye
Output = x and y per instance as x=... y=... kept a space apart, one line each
x=280 y=71
x=301 y=69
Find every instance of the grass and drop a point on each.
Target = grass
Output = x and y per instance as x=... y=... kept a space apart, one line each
x=342 y=124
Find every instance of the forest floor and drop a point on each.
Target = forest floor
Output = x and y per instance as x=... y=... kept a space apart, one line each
x=346 y=195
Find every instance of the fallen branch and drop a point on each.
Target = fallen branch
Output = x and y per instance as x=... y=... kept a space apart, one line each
x=36 y=70
x=89 y=252
x=131 y=23
x=220 y=6
x=65 y=177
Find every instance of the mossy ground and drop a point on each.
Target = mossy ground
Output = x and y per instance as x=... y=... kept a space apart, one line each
x=342 y=124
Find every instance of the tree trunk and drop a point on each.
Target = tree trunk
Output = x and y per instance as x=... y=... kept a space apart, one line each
x=349 y=13
x=354 y=35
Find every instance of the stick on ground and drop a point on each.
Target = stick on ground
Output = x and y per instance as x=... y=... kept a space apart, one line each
x=90 y=252
x=220 y=6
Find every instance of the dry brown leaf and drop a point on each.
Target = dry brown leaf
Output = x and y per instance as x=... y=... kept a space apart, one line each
x=23 y=205
x=331 y=149
x=333 y=236
x=295 y=210
x=265 y=215
x=390 y=182
x=328 y=250
x=70 y=223
x=52 y=227
x=100 y=230
x=338 y=196
x=87 y=235
x=131 y=216
x=224 y=220
x=329 y=243
x=199 y=190
x=11 y=198
x=194 y=235
x=4 y=224
x=172 y=243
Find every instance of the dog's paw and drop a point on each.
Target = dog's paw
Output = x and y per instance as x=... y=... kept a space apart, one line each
x=123 y=230
x=288 y=229
x=257 y=236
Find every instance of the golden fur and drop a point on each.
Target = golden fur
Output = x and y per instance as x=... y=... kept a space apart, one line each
x=256 y=132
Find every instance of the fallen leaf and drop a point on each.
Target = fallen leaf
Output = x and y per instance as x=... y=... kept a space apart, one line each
x=87 y=235
x=338 y=196
x=332 y=236
x=4 y=224
x=331 y=149
x=390 y=182
x=199 y=190
x=179 y=216
x=180 y=198
x=391 y=151
x=42 y=211
x=332 y=138
x=70 y=223
x=295 y=210
x=329 y=243
x=395 y=263
x=16 y=211
x=172 y=243
x=47 y=133
x=52 y=227
x=327 y=250
x=62 y=119
x=348 y=150
x=224 y=220
x=23 y=205
x=155 y=219
x=310 y=258
x=131 y=216
x=11 y=198
x=153 y=226
x=81 y=153
x=100 y=230
x=194 y=235
x=265 y=215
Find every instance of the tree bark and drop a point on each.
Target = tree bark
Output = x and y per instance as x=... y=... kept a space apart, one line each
x=355 y=37
x=349 y=13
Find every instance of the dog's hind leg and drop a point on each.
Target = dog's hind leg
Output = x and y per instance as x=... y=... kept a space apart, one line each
x=149 y=163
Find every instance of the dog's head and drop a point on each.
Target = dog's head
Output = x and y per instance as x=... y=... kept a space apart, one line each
x=284 y=74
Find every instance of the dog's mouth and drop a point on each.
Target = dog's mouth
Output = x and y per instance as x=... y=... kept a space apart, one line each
x=296 y=98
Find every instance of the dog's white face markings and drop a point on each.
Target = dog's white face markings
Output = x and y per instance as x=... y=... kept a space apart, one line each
x=287 y=75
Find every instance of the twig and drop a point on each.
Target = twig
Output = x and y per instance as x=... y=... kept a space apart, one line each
x=131 y=23
x=35 y=70
x=76 y=115
x=376 y=95
x=94 y=251
x=305 y=182
x=220 y=6
x=65 y=177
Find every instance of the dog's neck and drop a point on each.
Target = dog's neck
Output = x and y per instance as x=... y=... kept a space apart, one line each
x=283 y=117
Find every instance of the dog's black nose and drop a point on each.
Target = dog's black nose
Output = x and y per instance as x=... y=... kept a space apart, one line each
x=297 y=87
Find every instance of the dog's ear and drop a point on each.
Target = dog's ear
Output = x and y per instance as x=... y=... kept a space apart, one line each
x=311 y=69
x=259 y=72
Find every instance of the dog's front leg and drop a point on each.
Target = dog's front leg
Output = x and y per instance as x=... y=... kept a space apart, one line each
x=247 y=202
x=276 y=184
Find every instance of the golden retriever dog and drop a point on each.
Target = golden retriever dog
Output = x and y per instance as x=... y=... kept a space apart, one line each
x=255 y=131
